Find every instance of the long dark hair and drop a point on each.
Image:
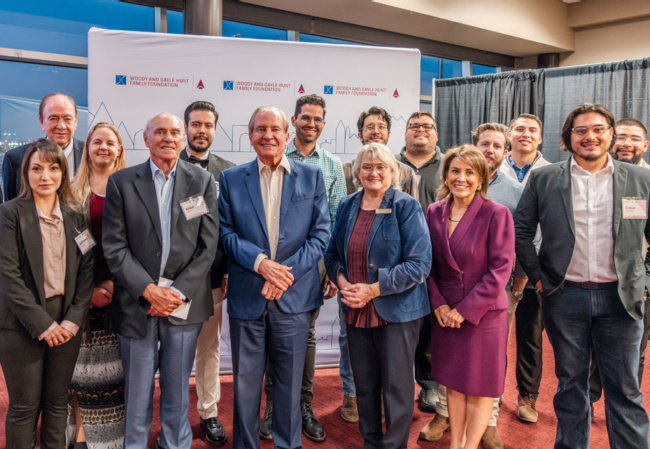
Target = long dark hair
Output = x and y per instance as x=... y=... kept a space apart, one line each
x=51 y=152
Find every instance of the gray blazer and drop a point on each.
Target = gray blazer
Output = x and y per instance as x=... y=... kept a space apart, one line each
x=133 y=244
x=547 y=200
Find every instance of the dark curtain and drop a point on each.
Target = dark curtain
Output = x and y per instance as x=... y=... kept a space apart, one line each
x=622 y=86
x=464 y=103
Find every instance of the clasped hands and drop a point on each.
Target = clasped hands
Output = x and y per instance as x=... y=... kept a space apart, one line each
x=448 y=317
x=163 y=300
x=58 y=336
x=278 y=278
x=356 y=295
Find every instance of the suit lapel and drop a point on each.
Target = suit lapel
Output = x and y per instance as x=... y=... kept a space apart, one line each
x=444 y=238
x=78 y=150
x=465 y=222
x=182 y=184
x=33 y=244
x=255 y=192
x=70 y=248
x=288 y=186
x=386 y=203
x=620 y=182
x=564 y=184
x=147 y=191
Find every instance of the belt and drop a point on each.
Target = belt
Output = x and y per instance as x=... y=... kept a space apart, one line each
x=592 y=285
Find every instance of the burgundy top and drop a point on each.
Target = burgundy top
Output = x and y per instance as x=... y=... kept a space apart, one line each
x=96 y=208
x=358 y=270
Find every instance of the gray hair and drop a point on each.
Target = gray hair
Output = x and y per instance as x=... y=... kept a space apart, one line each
x=379 y=152
x=263 y=109
x=180 y=122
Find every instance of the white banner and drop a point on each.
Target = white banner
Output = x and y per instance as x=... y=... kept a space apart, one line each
x=133 y=76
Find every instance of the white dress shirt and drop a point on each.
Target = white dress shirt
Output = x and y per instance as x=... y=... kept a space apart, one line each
x=271 y=184
x=593 y=209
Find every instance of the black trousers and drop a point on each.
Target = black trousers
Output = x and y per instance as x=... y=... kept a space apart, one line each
x=308 y=372
x=596 y=382
x=382 y=360
x=528 y=330
x=423 y=356
x=37 y=377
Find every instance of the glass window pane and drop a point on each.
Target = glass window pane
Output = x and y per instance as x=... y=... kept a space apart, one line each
x=324 y=40
x=174 y=22
x=451 y=68
x=478 y=69
x=236 y=29
x=429 y=69
x=62 y=26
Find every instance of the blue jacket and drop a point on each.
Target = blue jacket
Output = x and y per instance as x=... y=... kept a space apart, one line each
x=399 y=254
x=304 y=227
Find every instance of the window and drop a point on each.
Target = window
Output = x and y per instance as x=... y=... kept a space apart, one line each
x=478 y=69
x=429 y=69
x=236 y=29
x=451 y=68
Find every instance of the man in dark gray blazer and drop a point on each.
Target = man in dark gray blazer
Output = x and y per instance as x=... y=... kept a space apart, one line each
x=160 y=233
x=58 y=116
x=593 y=215
x=200 y=126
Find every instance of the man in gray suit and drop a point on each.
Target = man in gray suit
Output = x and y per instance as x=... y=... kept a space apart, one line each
x=160 y=233
x=592 y=211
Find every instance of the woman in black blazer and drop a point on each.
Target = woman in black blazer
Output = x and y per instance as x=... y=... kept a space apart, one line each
x=46 y=282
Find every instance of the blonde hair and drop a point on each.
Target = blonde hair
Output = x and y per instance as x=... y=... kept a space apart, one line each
x=470 y=154
x=81 y=182
x=379 y=152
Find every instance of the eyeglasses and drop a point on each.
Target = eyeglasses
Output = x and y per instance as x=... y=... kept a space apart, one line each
x=309 y=118
x=425 y=126
x=622 y=138
x=381 y=169
x=371 y=128
x=583 y=130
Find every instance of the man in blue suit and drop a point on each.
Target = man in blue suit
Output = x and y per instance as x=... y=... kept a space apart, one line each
x=274 y=227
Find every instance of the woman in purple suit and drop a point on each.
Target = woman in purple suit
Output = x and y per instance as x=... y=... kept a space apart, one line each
x=473 y=243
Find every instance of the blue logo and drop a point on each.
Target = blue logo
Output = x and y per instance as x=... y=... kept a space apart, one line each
x=329 y=90
x=120 y=80
x=228 y=85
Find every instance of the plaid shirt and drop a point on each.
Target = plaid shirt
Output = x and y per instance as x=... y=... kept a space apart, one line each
x=332 y=170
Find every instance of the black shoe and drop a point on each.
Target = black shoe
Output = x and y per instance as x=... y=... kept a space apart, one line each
x=214 y=432
x=267 y=421
x=157 y=445
x=310 y=425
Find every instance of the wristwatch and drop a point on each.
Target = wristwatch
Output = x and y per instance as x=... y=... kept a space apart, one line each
x=518 y=295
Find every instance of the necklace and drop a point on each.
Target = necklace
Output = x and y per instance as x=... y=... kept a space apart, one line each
x=455 y=221
x=461 y=217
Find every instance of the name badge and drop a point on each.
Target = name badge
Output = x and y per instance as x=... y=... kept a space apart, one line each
x=383 y=211
x=635 y=208
x=85 y=241
x=194 y=206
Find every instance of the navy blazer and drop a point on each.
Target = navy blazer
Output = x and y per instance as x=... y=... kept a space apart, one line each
x=399 y=254
x=304 y=227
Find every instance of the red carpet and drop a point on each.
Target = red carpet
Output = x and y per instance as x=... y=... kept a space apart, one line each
x=327 y=403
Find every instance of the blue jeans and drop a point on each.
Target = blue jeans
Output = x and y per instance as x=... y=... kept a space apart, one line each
x=345 y=369
x=579 y=321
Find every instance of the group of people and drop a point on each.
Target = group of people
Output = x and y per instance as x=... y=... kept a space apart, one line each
x=109 y=275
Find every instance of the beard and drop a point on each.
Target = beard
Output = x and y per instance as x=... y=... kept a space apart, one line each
x=494 y=165
x=634 y=160
x=417 y=149
x=198 y=149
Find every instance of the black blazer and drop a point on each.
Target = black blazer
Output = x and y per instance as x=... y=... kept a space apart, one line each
x=215 y=166
x=14 y=160
x=131 y=234
x=547 y=200
x=22 y=295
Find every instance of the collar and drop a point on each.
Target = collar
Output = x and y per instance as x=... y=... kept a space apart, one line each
x=284 y=163
x=291 y=148
x=204 y=157
x=68 y=150
x=56 y=212
x=155 y=169
x=494 y=180
x=575 y=168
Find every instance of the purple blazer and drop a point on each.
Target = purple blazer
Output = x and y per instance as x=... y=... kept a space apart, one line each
x=470 y=270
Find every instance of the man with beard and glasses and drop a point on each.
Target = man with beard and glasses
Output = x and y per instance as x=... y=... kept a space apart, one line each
x=200 y=126
x=424 y=158
x=631 y=144
x=492 y=140
x=374 y=126
x=525 y=137
x=309 y=120
x=593 y=215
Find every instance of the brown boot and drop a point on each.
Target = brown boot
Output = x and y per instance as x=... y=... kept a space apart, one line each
x=527 y=411
x=349 y=411
x=434 y=430
x=491 y=438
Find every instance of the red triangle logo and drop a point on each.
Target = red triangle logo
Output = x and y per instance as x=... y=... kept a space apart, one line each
x=396 y=94
x=301 y=90
x=201 y=86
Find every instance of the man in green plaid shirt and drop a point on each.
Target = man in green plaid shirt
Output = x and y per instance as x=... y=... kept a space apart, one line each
x=309 y=120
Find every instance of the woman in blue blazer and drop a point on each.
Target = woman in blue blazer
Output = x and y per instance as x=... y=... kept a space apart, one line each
x=379 y=254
